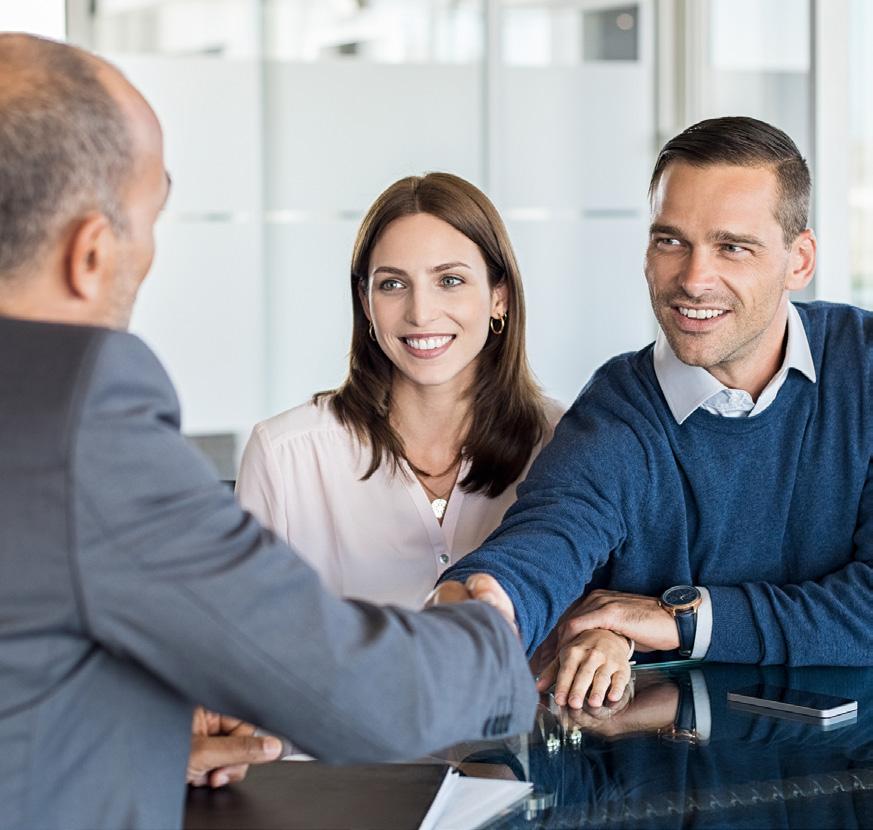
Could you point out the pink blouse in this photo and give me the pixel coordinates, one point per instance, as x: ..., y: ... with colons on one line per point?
x: 376, y: 539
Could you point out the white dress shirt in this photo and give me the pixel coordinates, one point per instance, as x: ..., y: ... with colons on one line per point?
x: 377, y: 539
x: 688, y: 388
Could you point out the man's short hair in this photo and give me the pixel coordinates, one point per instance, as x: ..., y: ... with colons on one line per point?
x: 64, y: 146
x: 746, y: 142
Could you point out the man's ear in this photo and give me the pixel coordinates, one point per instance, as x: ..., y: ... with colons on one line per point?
x: 365, y: 300
x: 499, y: 299
x: 91, y: 257
x: 801, y: 261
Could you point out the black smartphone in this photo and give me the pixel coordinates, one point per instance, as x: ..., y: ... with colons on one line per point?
x: 795, y: 701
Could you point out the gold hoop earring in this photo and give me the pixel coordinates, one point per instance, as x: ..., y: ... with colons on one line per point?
x: 371, y: 332
x: 501, y: 320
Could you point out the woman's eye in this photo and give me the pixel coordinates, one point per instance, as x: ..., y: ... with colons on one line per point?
x: 390, y: 285
x: 450, y: 281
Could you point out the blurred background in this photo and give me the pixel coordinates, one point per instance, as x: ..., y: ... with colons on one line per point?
x: 284, y: 119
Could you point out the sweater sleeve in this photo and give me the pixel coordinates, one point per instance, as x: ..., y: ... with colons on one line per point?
x: 573, y: 510
x: 816, y: 622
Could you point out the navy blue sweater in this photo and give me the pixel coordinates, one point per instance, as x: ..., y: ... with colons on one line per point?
x: 774, y: 513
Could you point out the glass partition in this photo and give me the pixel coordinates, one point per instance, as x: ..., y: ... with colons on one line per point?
x: 861, y: 153
x: 285, y: 118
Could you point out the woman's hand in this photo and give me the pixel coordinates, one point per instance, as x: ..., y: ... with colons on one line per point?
x: 595, y: 663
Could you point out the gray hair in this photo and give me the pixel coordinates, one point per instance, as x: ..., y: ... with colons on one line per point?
x: 64, y: 146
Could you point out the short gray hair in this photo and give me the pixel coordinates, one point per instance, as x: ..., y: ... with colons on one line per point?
x: 64, y: 146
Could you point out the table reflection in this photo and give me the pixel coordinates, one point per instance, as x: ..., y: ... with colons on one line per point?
x: 673, y: 753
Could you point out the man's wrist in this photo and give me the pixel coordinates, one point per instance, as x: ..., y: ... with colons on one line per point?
x: 682, y: 602
x: 631, y: 645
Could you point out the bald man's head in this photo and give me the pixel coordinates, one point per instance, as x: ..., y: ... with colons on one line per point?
x: 65, y: 147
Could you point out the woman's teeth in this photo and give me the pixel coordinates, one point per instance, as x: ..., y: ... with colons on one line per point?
x: 426, y: 344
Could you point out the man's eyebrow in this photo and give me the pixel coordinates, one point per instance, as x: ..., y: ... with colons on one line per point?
x: 446, y: 266
x: 728, y: 238
x: 718, y: 237
x: 667, y: 230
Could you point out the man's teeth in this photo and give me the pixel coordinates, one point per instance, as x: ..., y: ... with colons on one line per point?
x: 425, y: 344
x: 700, y: 313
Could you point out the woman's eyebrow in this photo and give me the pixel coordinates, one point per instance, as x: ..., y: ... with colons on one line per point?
x: 448, y: 265
x: 388, y: 269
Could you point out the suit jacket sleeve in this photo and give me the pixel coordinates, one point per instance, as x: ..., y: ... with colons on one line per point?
x: 174, y: 576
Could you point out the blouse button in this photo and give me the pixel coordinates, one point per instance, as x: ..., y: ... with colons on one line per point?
x: 444, y: 558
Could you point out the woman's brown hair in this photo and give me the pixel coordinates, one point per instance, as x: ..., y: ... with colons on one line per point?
x: 507, y: 412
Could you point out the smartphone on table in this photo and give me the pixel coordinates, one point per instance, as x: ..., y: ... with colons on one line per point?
x: 779, y: 699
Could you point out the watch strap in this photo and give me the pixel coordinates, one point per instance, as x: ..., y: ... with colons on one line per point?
x: 686, y: 622
x: 686, y: 720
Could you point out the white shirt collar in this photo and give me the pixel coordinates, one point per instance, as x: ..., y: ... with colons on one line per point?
x: 687, y: 387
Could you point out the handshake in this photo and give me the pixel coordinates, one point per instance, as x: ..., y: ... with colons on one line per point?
x: 482, y: 587
x: 586, y: 659
x: 589, y: 663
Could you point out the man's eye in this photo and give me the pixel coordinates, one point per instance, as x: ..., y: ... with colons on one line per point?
x: 390, y: 285
x: 450, y: 280
x: 733, y: 249
x: 667, y: 242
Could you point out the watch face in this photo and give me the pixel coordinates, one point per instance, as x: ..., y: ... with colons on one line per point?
x: 680, y: 595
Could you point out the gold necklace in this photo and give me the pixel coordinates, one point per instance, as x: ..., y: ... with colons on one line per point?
x: 438, y: 503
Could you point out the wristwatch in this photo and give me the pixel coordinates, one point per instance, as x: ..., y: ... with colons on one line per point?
x: 682, y: 601
x: 683, y: 730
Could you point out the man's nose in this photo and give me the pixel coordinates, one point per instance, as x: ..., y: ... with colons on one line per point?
x: 699, y: 273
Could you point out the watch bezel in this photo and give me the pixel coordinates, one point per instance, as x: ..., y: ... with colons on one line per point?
x: 681, y: 607
x: 677, y: 735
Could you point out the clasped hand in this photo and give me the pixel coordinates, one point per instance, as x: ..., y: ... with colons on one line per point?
x: 637, y: 617
x: 595, y: 663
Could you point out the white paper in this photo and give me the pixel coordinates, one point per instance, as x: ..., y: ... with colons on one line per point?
x: 473, y: 801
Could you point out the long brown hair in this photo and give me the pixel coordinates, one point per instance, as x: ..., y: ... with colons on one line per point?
x: 506, y: 403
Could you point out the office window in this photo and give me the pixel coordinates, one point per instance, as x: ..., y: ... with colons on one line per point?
x: 752, y: 57
x: 861, y: 152
x: 285, y: 118
x: 543, y: 34
x: 377, y: 31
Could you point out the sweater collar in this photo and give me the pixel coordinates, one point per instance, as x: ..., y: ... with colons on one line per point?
x: 687, y: 387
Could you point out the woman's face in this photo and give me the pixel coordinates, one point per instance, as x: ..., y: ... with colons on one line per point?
x: 429, y: 301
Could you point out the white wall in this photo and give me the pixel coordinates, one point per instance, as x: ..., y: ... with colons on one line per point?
x: 39, y: 17
x: 203, y: 306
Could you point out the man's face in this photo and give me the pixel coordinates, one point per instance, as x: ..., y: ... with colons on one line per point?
x: 718, y: 269
x: 142, y: 201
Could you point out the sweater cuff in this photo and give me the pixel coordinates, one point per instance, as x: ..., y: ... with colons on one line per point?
x: 735, y: 637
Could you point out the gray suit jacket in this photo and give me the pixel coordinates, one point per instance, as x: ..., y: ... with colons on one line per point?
x: 132, y: 586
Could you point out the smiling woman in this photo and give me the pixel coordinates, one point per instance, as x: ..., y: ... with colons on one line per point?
x: 408, y: 466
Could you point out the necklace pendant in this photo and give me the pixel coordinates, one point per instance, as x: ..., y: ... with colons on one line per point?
x: 439, y: 507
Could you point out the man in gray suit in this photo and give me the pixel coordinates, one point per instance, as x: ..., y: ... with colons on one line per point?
x: 131, y: 584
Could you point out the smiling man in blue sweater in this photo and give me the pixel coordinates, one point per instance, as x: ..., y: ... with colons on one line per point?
x: 712, y: 492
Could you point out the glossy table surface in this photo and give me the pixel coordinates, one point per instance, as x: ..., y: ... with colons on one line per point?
x: 675, y: 754
x: 678, y: 755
